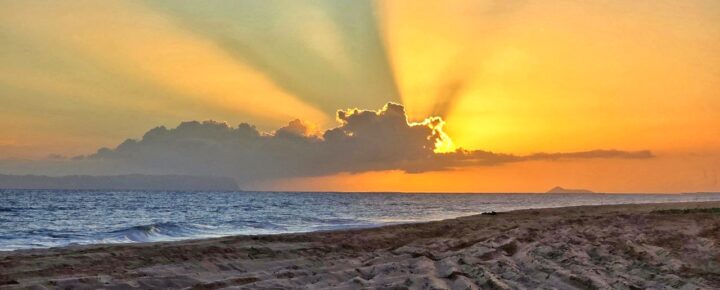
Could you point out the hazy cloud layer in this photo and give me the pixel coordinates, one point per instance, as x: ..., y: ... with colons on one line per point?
x: 486, y: 158
x: 365, y: 140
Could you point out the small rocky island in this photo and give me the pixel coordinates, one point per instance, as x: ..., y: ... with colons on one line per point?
x: 560, y: 190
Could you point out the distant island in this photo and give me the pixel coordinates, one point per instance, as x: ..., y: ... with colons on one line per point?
x: 560, y: 190
x: 119, y: 182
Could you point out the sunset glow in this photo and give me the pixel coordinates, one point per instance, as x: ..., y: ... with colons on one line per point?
x: 512, y: 78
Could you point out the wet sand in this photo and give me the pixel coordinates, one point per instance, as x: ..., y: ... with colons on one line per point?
x: 589, y: 247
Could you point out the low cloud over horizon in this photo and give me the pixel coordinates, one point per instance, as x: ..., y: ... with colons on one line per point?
x: 365, y: 140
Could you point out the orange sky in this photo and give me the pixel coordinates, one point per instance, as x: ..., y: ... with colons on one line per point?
x: 514, y: 77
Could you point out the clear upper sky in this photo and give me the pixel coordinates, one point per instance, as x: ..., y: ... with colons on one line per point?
x: 510, y: 77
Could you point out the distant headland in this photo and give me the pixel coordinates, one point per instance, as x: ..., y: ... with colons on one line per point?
x: 119, y: 182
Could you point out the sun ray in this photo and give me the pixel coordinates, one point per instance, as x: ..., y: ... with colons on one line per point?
x: 137, y: 41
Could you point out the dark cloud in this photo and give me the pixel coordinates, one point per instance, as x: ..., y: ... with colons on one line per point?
x: 592, y: 154
x: 485, y: 158
x: 365, y: 140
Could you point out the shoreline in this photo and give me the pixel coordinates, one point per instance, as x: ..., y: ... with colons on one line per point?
x: 375, y: 224
x: 475, y: 251
x: 324, y: 231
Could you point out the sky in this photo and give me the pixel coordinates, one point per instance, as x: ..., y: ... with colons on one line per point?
x: 427, y: 96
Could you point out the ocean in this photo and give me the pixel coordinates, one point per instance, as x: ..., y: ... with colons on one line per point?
x: 56, y: 218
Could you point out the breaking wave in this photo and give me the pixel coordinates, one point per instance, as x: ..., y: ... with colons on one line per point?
x: 160, y: 232
x: 43, y: 219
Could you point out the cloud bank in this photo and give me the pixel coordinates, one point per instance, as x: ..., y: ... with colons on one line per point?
x: 364, y: 140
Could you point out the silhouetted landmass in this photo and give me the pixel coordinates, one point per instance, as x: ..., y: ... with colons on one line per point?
x: 560, y: 190
x: 119, y: 182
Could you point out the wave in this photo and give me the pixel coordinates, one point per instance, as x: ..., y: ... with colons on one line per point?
x: 159, y: 232
x: 169, y: 231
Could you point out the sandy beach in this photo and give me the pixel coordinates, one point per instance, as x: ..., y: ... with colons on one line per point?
x: 653, y: 246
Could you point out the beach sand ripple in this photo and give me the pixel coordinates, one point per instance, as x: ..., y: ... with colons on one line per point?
x: 590, y: 247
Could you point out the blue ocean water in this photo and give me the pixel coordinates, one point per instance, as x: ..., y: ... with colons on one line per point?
x: 53, y: 218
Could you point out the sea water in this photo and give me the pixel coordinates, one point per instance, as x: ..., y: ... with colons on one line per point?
x: 55, y: 218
